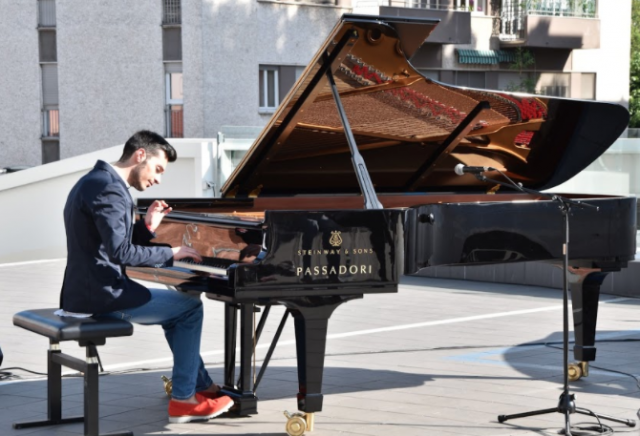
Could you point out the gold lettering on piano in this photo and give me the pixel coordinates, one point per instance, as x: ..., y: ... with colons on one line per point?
x: 326, y: 252
x: 328, y: 257
x: 339, y: 270
x: 336, y: 239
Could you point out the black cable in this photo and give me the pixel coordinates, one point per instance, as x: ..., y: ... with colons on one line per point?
x: 590, y: 429
x: 5, y: 374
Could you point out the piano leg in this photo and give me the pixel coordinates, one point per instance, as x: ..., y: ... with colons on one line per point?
x: 230, y: 332
x: 585, y: 294
x: 246, y: 402
x: 311, y: 319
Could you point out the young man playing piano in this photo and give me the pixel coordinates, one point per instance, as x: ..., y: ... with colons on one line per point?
x: 102, y: 240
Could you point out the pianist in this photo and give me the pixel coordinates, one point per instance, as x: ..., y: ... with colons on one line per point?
x: 102, y: 240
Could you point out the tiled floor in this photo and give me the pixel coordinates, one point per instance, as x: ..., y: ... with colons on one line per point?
x: 440, y: 357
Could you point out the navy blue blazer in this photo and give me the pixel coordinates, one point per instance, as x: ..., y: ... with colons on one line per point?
x: 101, y: 241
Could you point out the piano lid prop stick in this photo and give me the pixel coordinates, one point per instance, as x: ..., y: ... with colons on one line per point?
x: 364, y: 179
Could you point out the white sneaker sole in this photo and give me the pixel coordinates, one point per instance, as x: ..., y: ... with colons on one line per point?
x: 184, y: 419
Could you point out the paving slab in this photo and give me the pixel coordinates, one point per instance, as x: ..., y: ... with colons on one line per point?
x: 441, y: 356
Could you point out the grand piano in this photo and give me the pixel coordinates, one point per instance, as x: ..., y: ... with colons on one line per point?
x: 352, y: 184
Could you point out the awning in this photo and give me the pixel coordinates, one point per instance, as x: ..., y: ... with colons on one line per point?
x: 484, y: 57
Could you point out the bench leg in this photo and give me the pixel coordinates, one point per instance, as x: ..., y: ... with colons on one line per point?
x: 90, y: 367
x: 92, y: 396
x: 54, y: 394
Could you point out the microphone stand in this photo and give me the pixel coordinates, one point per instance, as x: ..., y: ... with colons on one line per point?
x: 566, y: 404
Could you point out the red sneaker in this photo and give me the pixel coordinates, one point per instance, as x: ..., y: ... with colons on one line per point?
x: 180, y: 412
x: 212, y: 395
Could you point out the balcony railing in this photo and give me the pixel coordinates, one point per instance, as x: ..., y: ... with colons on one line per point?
x: 50, y: 123
x: 171, y: 12
x: 174, y: 121
x: 452, y: 5
x: 513, y: 13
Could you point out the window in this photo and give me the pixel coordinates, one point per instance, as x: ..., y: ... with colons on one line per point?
x: 554, y: 84
x: 47, y: 42
x: 174, y: 110
x: 171, y: 12
x: 460, y: 5
x: 50, y: 151
x: 50, y: 113
x: 269, y: 88
x: 516, y: 82
x: 469, y: 79
x: 46, y: 13
x: 172, y: 44
x: 49, y: 80
x: 588, y: 86
x: 50, y: 122
x: 275, y: 81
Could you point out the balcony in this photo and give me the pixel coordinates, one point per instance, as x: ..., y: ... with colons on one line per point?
x: 568, y: 24
x: 454, y: 15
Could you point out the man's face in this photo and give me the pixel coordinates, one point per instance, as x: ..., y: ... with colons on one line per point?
x: 148, y: 171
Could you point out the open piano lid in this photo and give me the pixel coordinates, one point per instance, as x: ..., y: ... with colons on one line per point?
x: 410, y: 130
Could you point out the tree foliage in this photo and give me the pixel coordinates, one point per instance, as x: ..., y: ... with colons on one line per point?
x: 634, y: 72
x: 524, y: 60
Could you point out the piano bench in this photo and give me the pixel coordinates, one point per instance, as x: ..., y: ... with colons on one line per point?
x: 89, y: 333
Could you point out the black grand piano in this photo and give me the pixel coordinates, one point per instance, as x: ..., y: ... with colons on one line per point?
x: 352, y: 184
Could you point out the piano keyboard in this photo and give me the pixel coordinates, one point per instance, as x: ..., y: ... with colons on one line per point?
x: 211, y: 265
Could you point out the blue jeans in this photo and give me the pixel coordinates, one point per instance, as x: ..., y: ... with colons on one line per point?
x: 180, y: 315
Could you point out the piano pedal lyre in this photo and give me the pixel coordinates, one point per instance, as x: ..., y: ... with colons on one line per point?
x: 298, y: 423
x: 577, y: 370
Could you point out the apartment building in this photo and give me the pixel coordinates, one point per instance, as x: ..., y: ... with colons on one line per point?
x: 83, y: 75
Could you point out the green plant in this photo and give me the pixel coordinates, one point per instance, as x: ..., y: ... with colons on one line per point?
x: 634, y: 91
x: 523, y: 60
x: 634, y: 70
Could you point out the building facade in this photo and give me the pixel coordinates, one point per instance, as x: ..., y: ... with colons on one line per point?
x: 81, y: 76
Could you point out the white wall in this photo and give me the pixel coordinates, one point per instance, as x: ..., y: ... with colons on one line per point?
x: 31, y: 222
x: 611, y: 61
x: 238, y: 36
x: 110, y: 72
x: 19, y: 84
x: 192, y: 67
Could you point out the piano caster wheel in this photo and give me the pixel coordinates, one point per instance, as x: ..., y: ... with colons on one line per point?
x: 168, y: 385
x: 578, y: 370
x: 575, y: 371
x: 298, y: 423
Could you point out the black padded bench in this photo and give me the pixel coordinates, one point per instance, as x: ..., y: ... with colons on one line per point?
x: 89, y: 333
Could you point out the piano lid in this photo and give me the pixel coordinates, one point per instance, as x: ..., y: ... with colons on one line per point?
x: 410, y: 130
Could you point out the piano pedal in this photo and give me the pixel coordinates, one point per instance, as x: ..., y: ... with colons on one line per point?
x: 298, y: 423
x: 168, y: 385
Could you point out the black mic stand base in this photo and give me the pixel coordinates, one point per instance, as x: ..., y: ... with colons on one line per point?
x: 566, y: 406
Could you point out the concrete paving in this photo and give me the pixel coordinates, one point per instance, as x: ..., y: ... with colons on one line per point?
x: 439, y: 357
